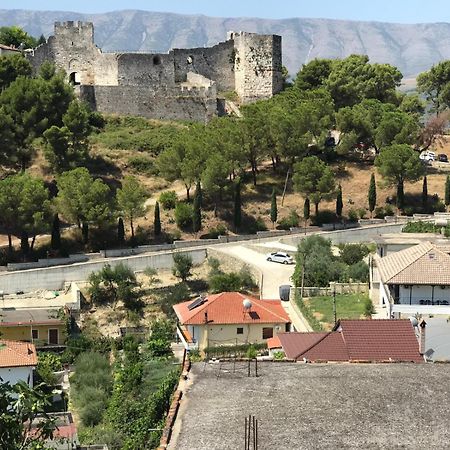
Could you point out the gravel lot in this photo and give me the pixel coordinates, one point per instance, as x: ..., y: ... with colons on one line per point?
x: 301, y: 406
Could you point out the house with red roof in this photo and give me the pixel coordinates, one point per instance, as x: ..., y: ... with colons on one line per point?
x: 17, y: 362
x: 373, y: 341
x: 229, y: 318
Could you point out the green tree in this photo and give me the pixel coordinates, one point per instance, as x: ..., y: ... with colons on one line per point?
x: 237, y: 216
x: 131, y: 200
x: 183, y: 215
x: 397, y: 164
x: 112, y: 284
x: 214, y: 178
x: 182, y: 265
x: 11, y: 67
x: 20, y: 405
x: 396, y: 127
x: 314, y: 74
x: 273, y: 208
x: 120, y: 231
x: 56, y: 234
x: 435, y: 85
x: 16, y: 37
x: 157, y: 221
x: 83, y: 199
x: 314, y: 179
x: 339, y: 203
x: 372, y: 195
x: 68, y: 146
x: 425, y: 194
x: 197, y: 214
x: 447, y: 191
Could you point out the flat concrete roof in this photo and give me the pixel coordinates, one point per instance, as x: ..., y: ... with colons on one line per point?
x: 409, y: 238
x: 309, y: 406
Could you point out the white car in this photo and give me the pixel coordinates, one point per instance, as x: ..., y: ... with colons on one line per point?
x: 280, y: 257
x: 427, y: 156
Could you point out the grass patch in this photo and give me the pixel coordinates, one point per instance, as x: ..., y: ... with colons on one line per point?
x: 348, y: 306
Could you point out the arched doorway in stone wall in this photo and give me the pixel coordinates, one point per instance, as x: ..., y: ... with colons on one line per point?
x: 74, y: 78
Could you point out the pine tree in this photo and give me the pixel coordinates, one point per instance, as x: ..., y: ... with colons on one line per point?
x: 372, y: 196
x: 425, y: 194
x: 306, y: 209
x: 339, y: 204
x: 273, y: 208
x: 237, y: 206
x: 197, y: 217
x: 120, y: 231
x: 447, y: 191
x: 157, y: 222
x: 56, y: 234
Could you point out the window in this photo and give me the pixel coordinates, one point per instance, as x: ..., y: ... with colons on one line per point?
x: 267, y: 333
x: 35, y: 334
x: 156, y: 60
x: 240, y: 331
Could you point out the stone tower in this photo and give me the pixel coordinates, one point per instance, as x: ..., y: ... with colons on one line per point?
x: 257, y: 65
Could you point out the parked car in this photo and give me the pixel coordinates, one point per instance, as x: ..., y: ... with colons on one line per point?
x: 442, y: 157
x: 427, y: 156
x: 280, y: 257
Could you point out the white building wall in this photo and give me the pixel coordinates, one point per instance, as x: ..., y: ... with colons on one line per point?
x: 417, y: 293
x: 15, y: 374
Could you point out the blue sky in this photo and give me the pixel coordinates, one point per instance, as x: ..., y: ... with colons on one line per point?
x: 403, y: 11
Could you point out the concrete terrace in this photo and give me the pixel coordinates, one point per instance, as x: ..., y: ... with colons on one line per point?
x: 309, y: 406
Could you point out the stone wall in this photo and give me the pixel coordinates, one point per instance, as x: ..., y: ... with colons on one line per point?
x: 154, y: 103
x: 215, y: 63
x: 257, y: 65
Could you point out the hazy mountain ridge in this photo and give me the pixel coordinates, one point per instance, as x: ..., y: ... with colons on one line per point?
x: 412, y: 48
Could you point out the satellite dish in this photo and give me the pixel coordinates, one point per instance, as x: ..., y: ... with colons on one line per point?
x: 414, y: 321
x: 247, y: 303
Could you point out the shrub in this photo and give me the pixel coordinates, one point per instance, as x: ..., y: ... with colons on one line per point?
x: 421, y: 227
x: 352, y: 215
x: 168, y: 199
x: 215, y: 232
x: 225, y: 282
x: 389, y: 210
x: 324, y: 217
x: 171, y: 296
x: 379, y: 212
x: 251, y: 352
x: 142, y: 165
x: 362, y: 213
x: 291, y: 221
x: 353, y: 253
x: 182, y: 266
x: 183, y: 215
x: 369, y: 309
x: 359, y: 272
x: 278, y: 356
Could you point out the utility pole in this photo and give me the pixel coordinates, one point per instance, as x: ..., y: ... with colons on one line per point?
x: 334, y: 305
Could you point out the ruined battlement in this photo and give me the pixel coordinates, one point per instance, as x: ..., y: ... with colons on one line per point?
x: 248, y: 63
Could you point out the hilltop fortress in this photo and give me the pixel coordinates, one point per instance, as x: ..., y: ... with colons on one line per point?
x: 186, y: 84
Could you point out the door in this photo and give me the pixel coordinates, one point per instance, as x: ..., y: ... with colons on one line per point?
x: 53, y: 336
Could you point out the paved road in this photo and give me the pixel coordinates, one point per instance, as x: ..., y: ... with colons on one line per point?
x: 274, y: 274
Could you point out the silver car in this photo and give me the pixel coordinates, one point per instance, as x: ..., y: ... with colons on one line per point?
x: 280, y: 257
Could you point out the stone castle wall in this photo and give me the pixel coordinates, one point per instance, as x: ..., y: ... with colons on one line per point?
x: 182, y: 84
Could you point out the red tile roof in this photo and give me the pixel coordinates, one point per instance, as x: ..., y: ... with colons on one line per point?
x: 356, y: 340
x: 227, y: 307
x: 17, y: 354
x: 273, y: 342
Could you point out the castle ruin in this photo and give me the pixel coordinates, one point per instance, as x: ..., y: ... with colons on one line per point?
x: 183, y: 84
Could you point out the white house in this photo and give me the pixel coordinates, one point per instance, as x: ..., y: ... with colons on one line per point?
x: 413, y: 281
x: 17, y: 362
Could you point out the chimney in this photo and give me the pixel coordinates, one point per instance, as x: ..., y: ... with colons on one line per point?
x: 422, y: 325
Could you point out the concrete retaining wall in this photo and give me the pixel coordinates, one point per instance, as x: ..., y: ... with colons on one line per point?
x: 55, y: 277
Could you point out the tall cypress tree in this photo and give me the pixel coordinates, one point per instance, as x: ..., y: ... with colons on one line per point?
x: 197, y: 217
x: 56, y: 234
x: 339, y: 204
x: 237, y: 206
x: 157, y: 222
x: 120, y: 231
x: 306, y: 209
x: 425, y: 194
x: 85, y: 232
x: 273, y: 208
x: 372, y: 196
x: 447, y: 191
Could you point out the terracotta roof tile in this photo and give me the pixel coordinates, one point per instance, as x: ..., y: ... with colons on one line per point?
x: 273, y: 342
x: 422, y: 264
x: 17, y: 354
x: 227, y: 307
x: 356, y: 340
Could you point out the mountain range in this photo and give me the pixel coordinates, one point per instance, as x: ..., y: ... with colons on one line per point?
x: 413, y: 48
